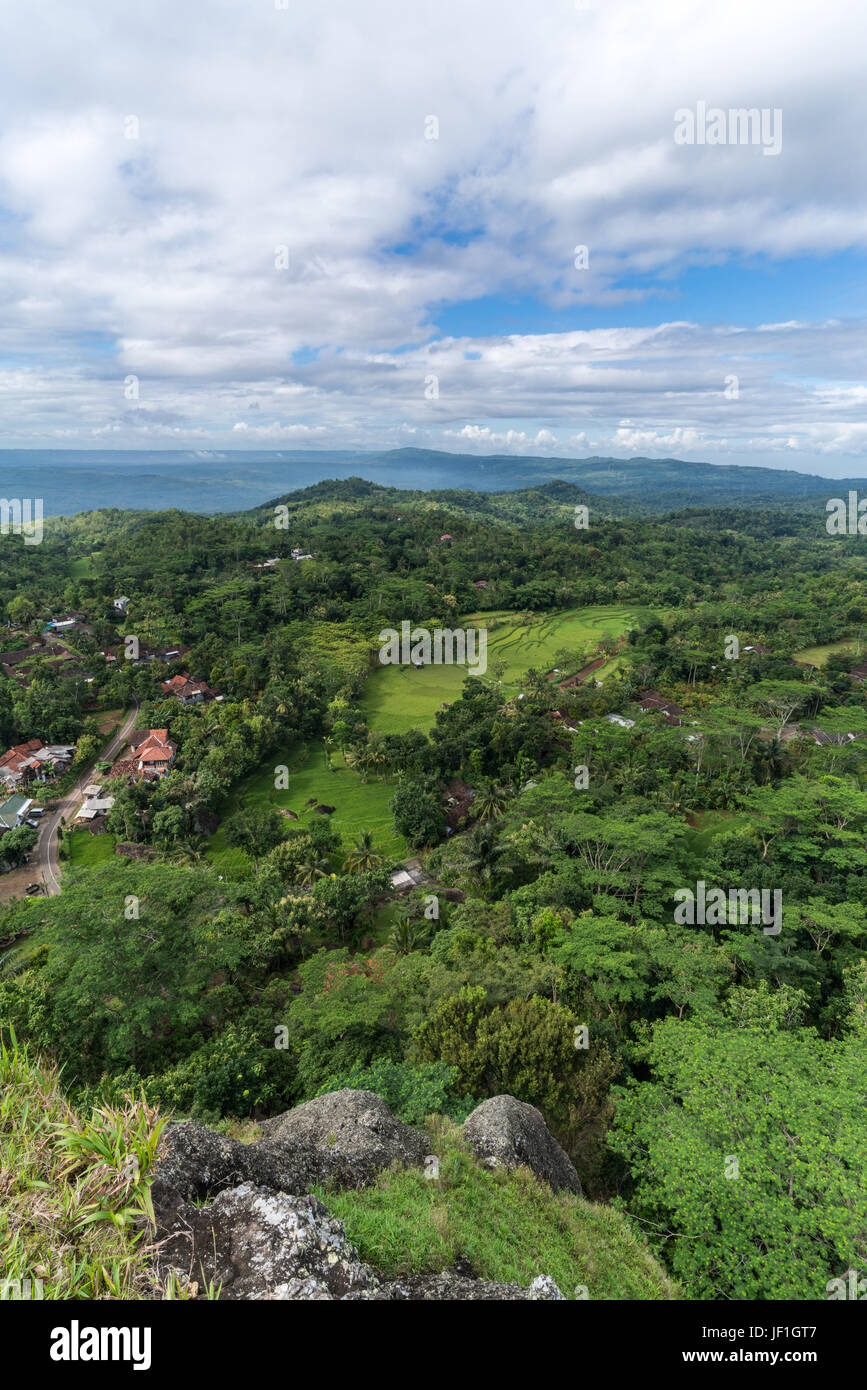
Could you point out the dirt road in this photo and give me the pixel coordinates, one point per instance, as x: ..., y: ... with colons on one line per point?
x: 47, y: 866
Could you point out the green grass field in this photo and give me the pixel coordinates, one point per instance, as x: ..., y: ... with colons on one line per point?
x: 85, y: 849
x: 817, y: 656
x: 399, y: 698
x: 359, y: 805
x: 509, y: 1226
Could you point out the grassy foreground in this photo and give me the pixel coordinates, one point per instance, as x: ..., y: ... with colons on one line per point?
x: 508, y: 1225
x: 74, y: 1191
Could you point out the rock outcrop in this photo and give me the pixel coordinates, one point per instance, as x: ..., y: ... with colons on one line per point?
x: 251, y: 1243
x: 261, y: 1234
x: 342, y: 1139
x: 354, y: 1127
x: 257, y: 1244
x: 504, y: 1132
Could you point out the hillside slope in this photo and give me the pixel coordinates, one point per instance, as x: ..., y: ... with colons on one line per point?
x: 80, y: 1191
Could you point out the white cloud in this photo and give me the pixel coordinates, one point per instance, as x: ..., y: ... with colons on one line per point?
x: 305, y: 128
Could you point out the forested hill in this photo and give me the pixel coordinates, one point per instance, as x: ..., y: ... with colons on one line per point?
x: 554, y: 502
x: 639, y: 484
x: 547, y: 502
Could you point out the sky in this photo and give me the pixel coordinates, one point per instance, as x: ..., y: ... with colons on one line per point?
x: 487, y: 227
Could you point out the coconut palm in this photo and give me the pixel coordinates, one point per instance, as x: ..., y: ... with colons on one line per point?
x: 483, y: 857
x: 490, y: 802
x: 190, y: 849
x: 362, y: 856
x: 407, y: 933
x: 310, y: 869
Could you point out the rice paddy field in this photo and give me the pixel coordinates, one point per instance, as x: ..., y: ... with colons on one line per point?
x: 358, y: 805
x: 817, y: 656
x: 399, y: 698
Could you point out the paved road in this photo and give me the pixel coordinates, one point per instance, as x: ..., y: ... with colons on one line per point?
x: 47, y: 863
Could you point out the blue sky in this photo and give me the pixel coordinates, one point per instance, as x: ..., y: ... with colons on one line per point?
x: 359, y: 227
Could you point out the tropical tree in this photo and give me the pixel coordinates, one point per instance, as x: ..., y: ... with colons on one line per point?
x: 490, y: 802
x: 362, y: 856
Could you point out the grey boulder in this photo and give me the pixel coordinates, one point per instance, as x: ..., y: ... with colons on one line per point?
x: 355, y: 1128
x: 509, y: 1133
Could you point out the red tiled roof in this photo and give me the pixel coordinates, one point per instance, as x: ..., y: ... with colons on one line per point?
x: 157, y: 748
x: 19, y: 754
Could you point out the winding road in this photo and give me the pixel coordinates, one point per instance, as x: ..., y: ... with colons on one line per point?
x: 47, y: 859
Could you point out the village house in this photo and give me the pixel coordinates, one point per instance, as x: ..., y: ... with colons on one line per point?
x: 95, y: 803
x: 652, y: 700
x: 19, y: 665
x: 121, y: 604
x: 298, y: 554
x: 154, y: 752
x: 34, y: 760
x: 188, y: 691
x: 14, y: 811
x: 822, y: 738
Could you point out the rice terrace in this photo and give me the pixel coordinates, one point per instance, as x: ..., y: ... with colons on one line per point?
x: 399, y: 698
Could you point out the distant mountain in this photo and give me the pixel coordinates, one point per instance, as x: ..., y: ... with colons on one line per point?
x: 640, y: 484
x: 548, y: 502
x: 545, y: 488
x: 71, y: 481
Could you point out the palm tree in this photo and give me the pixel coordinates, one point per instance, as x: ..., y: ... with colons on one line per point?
x: 362, y: 856
x: 311, y: 869
x: 377, y: 758
x: 351, y: 757
x: 483, y: 858
x: 190, y: 850
x: 490, y: 802
x: 407, y: 934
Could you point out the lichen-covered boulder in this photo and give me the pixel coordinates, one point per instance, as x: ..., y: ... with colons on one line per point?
x: 353, y: 1127
x: 505, y: 1132
x: 201, y: 1164
x: 256, y: 1244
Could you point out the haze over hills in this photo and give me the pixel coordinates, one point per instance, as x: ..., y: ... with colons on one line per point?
x: 642, y: 484
x: 70, y: 481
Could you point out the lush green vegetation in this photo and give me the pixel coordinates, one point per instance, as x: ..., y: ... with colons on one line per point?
x: 75, y: 1188
x: 314, y: 773
x: 398, y: 699
x: 84, y: 850
x: 506, y: 1225
x: 706, y: 1078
